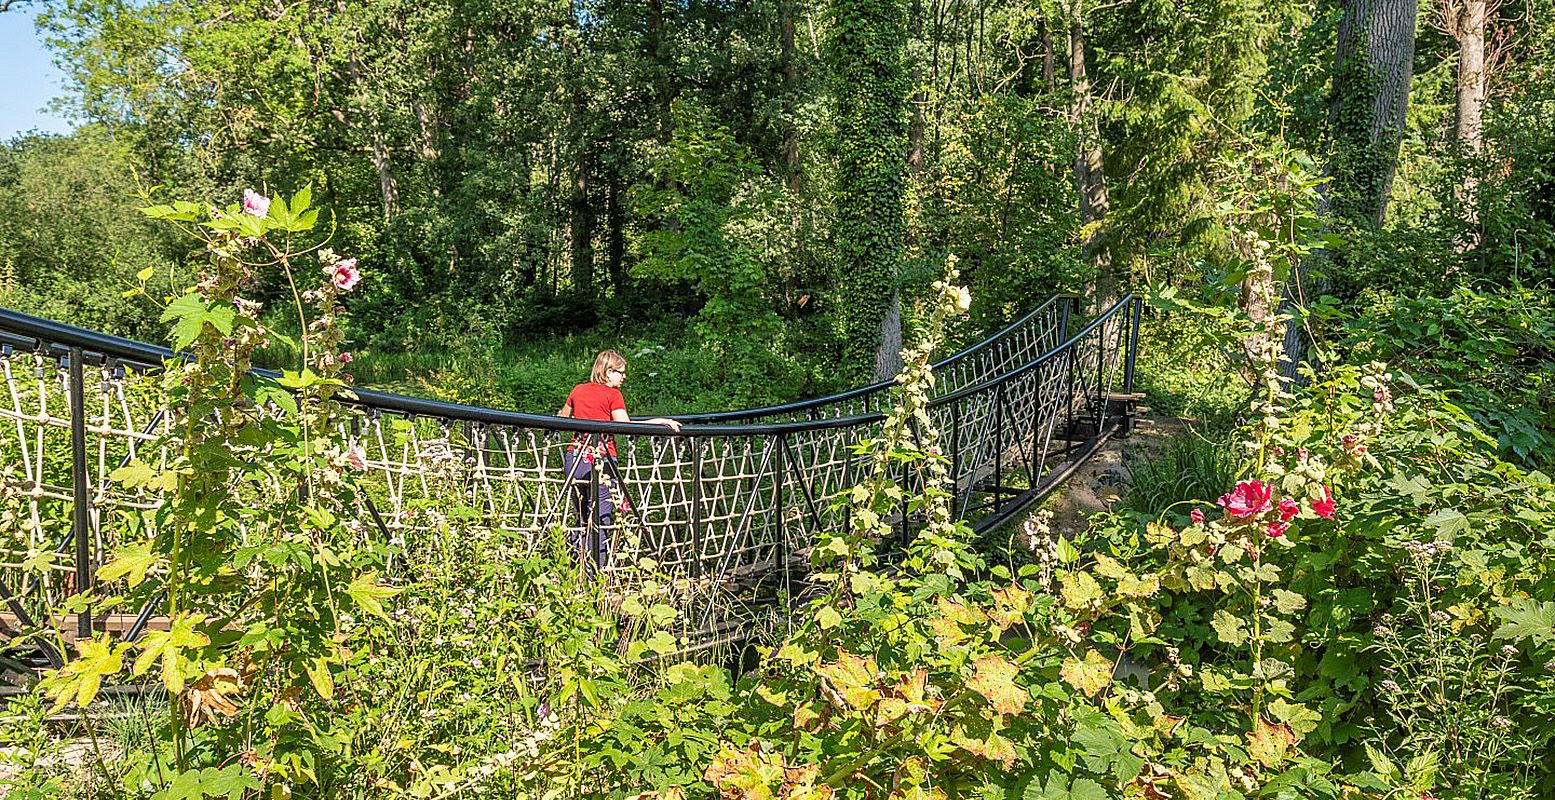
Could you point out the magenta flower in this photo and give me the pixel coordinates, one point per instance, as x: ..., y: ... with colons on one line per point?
x: 345, y: 274
x: 1288, y: 509
x: 255, y: 203
x: 1325, y: 507
x: 1276, y: 529
x: 345, y: 357
x: 1197, y: 515
x: 1247, y: 500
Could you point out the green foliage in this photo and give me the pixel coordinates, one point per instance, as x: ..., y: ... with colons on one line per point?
x: 1494, y: 354
x: 71, y: 241
x: 711, y: 191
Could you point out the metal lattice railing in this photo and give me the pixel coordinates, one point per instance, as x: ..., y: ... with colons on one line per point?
x: 731, y: 499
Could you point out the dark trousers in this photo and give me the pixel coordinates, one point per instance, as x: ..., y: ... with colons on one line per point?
x: 593, y: 502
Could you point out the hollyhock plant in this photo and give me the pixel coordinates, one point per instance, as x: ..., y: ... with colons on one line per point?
x: 1248, y: 499
x: 1288, y: 509
x: 1276, y: 529
x: 344, y: 274
x: 1197, y: 515
x: 255, y: 203
x: 1326, y: 506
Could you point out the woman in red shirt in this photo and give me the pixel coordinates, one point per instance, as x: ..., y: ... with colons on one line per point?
x: 598, y: 399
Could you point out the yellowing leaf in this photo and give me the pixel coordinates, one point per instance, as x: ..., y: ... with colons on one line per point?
x: 1010, y: 605
x: 995, y: 679
x: 954, y: 618
x: 1134, y: 586
x: 1079, y: 591
x: 168, y: 646
x: 1108, y: 567
x: 853, y: 678
x: 321, y: 678
x: 1231, y: 629
x: 1270, y: 744
x: 1090, y: 674
x: 79, y: 680
x: 746, y: 774
x: 991, y: 746
x: 133, y: 560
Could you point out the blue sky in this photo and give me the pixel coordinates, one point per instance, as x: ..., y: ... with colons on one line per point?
x: 28, y: 78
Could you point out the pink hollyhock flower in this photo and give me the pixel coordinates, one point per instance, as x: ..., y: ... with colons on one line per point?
x: 1276, y: 529
x: 345, y: 275
x: 1288, y: 509
x: 1325, y: 507
x: 345, y: 357
x: 255, y: 203
x: 1197, y: 515
x: 357, y: 457
x: 1247, y: 500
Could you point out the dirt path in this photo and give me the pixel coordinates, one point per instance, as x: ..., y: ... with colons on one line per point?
x: 1100, y: 483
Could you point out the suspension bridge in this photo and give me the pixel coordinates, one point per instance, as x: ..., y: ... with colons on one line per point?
x: 730, y: 504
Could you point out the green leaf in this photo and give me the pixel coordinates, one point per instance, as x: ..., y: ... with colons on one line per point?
x: 368, y: 595
x: 1382, y: 765
x: 1448, y: 522
x: 1527, y: 619
x: 302, y: 199
x: 662, y: 642
x: 1231, y: 630
x: 133, y: 560
x: 828, y: 618
x: 1058, y: 787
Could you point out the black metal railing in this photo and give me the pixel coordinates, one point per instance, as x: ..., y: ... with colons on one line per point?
x: 731, y: 499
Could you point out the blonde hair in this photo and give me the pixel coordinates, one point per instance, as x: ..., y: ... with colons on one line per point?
x: 604, y: 362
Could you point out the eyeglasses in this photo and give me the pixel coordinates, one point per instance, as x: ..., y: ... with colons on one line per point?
x: 620, y: 372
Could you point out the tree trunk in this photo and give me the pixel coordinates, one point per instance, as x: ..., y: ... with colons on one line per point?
x: 1090, y: 176
x: 1473, y: 81
x: 581, y: 225
x: 790, y: 97
x: 1473, y: 85
x: 1373, y: 68
x: 377, y: 145
x: 615, y: 223
x: 1049, y: 80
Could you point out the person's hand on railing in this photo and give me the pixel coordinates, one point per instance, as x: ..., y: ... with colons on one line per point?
x: 666, y: 422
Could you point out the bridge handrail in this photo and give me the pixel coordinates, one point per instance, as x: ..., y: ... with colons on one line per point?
x: 861, y: 391
x: 61, y: 337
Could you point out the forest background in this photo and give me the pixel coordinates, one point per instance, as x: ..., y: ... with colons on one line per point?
x: 742, y: 192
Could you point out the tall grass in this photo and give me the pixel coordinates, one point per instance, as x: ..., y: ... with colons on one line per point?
x: 1187, y: 467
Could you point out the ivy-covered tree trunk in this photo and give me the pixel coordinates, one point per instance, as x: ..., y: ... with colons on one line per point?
x: 1090, y: 175
x: 869, y: 83
x: 1373, y: 68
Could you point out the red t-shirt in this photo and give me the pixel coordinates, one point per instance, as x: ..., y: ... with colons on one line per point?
x: 596, y: 401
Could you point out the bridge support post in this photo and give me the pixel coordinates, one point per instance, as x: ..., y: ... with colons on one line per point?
x: 1128, y: 364
x: 80, y: 491
x: 779, y: 477
x: 696, y: 508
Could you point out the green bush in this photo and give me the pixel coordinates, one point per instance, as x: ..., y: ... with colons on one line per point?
x: 1492, y: 353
